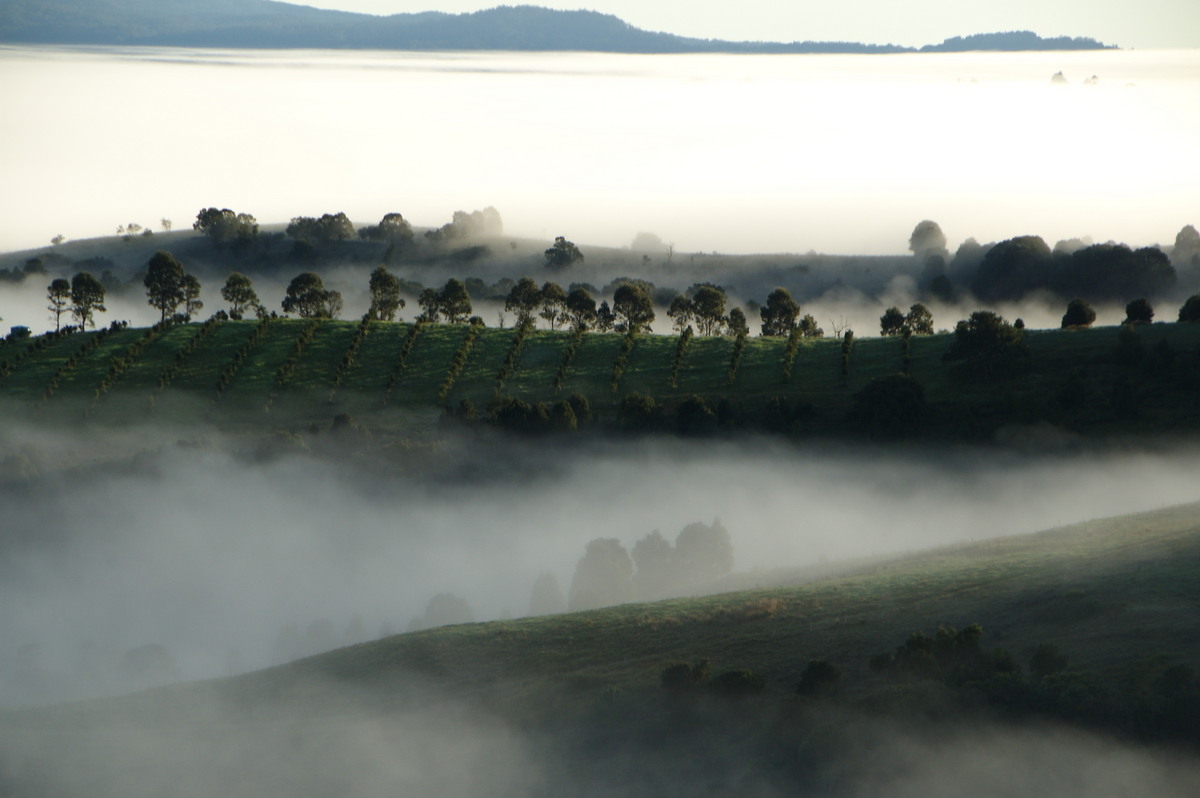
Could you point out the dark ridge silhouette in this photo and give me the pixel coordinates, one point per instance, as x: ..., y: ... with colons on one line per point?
x: 267, y: 24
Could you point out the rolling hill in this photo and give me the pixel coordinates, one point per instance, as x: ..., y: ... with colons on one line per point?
x: 396, y: 378
x: 530, y: 706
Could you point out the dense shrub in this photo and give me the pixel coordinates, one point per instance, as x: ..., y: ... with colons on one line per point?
x: 682, y: 677
x: 738, y: 683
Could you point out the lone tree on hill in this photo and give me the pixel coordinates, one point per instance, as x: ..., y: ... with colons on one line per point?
x: 919, y: 320
x: 1190, y: 311
x: 562, y: 254
x: 634, y: 307
x: 87, y: 299
x: 454, y: 301
x: 553, y: 304
x: 779, y: 314
x: 703, y: 553
x: 59, y: 295
x: 1138, y: 311
x: 164, y: 283
x: 385, y: 295
x: 239, y: 293
x: 523, y: 300
x: 547, y: 597
x: 736, y: 323
x: 581, y: 308
x: 603, y: 577
x: 892, y: 321
x: 682, y: 312
x: 192, y: 304
x: 1079, y: 314
x: 708, y: 303
x: 308, y: 298
x: 987, y: 341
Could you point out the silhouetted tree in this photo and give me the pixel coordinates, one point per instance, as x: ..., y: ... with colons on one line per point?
x: 553, y: 302
x: 192, y: 304
x: 892, y: 321
x: 308, y: 298
x: 562, y: 254
x: 708, y: 306
x: 653, y: 577
x: 1012, y: 268
x: 444, y: 609
x: 606, y: 320
x: 87, y: 299
x: 703, y: 553
x: 819, y: 675
x: 164, y: 283
x: 919, y: 320
x: 224, y: 227
x: 454, y: 302
x: 1190, y: 311
x: 779, y: 314
x: 523, y: 300
x: 603, y: 577
x: 547, y: 597
x: 59, y: 295
x: 331, y: 227
x: 1079, y: 314
x: 634, y: 307
x: 239, y: 292
x: 987, y: 341
x: 1138, y: 311
x: 385, y: 294
x: 581, y: 308
x: 682, y: 312
x: 736, y: 323
x: 928, y: 239
x: 392, y: 228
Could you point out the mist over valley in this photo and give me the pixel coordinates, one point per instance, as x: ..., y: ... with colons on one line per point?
x: 756, y: 425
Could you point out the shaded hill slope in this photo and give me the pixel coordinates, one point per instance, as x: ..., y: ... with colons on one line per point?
x: 533, y: 704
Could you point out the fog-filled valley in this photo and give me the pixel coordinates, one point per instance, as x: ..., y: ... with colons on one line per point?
x: 194, y: 559
x: 213, y: 556
x: 277, y: 549
x: 838, y: 154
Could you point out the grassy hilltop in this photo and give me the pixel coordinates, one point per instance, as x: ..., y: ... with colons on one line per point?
x: 290, y: 373
x: 579, y: 695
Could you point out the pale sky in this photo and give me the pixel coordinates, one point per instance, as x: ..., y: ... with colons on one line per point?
x: 1143, y: 24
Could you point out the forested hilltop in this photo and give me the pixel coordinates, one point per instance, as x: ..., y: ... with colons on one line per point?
x: 462, y: 328
x: 263, y: 23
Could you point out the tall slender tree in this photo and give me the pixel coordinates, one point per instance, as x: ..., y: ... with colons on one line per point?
x: 59, y: 295
x: 87, y: 299
x: 164, y: 283
x: 385, y: 295
x: 239, y: 292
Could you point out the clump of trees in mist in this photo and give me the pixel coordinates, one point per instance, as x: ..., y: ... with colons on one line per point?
x: 609, y: 574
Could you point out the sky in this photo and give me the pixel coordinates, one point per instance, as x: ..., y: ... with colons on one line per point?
x: 1146, y: 24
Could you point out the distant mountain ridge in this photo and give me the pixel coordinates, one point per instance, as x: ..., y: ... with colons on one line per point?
x: 269, y: 24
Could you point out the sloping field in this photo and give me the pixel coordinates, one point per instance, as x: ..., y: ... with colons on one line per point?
x: 285, y: 373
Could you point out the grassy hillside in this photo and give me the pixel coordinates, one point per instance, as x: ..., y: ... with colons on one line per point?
x: 291, y: 373
x: 1117, y: 597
